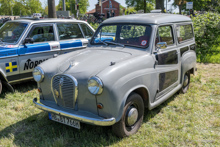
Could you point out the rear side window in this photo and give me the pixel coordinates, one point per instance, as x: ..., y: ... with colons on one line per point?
x: 184, y: 32
x: 42, y: 33
x: 165, y: 34
x: 87, y: 31
x: 69, y: 31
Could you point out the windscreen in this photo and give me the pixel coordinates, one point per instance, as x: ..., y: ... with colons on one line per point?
x: 11, y: 32
x: 126, y: 34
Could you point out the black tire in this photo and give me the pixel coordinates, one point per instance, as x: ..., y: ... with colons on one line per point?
x: 0, y: 86
x: 123, y: 128
x: 186, y: 82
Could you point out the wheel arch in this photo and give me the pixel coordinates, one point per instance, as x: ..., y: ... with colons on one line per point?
x: 4, y: 80
x: 142, y: 90
x: 3, y: 76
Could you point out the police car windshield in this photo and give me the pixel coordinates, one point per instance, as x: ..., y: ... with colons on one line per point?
x: 124, y: 34
x: 12, y: 31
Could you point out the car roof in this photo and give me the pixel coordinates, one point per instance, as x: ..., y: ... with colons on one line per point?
x: 48, y: 20
x: 148, y: 18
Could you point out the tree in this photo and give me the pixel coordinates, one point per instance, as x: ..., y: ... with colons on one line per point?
x: 70, y: 6
x: 34, y: 6
x: 180, y: 4
x: 19, y: 8
x: 23, y: 7
x: 6, y: 7
x: 206, y: 5
x: 51, y: 9
x: 146, y: 5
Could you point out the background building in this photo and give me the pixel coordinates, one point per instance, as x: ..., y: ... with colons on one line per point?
x: 114, y: 8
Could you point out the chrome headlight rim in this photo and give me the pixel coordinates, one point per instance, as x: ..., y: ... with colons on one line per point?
x: 41, y: 74
x: 99, y: 82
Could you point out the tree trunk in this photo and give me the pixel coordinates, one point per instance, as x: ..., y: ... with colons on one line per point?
x: 145, y: 6
x: 51, y: 9
x: 180, y: 9
x: 160, y: 5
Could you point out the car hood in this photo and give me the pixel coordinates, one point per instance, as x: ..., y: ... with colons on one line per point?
x: 91, y: 62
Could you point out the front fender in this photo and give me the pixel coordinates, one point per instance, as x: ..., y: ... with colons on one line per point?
x: 121, y: 81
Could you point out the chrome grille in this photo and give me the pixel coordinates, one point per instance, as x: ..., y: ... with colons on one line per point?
x: 64, y: 88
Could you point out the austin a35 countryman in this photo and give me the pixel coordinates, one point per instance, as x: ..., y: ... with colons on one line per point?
x: 133, y: 62
x: 25, y: 43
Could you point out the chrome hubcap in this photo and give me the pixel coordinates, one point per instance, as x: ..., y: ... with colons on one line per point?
x: 132, y: 116
x: 186, y: 80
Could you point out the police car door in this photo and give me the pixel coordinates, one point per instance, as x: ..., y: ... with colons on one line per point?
x: 71, y: 37
x: 43, y: 47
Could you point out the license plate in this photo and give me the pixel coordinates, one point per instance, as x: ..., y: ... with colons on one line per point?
x: 64, y: 120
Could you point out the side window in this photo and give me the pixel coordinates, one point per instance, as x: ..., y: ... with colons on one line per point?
x: 184, y: 32
x: 165, y: 34
x: 69, y: 31
x: 87, y: 31
x: 42, y: 33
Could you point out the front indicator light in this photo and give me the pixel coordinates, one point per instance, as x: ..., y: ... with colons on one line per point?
x: 99, y: 106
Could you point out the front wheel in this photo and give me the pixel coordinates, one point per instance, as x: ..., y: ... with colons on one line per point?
x: 132, y: 117
x: 0, y: 86
x: 186, y: 82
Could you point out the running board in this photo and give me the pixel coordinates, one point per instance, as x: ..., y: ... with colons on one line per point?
x: 164, y: 98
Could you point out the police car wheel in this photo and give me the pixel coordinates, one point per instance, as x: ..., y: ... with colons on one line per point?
x: 0, y: 86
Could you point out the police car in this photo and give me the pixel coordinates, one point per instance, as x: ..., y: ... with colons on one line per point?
x: 25, y: 43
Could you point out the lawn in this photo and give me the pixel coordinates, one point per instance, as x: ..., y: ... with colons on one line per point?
x: 191, y: 119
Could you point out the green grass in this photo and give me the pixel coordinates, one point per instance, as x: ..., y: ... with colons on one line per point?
x: 191, y: 119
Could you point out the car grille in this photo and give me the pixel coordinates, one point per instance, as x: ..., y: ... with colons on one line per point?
x: 64, y: 88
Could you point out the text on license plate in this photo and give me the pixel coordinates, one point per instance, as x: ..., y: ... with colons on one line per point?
x: 64, y: 120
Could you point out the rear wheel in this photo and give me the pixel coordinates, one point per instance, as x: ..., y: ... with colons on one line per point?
x: 186, y: 82
x: 132, y: 117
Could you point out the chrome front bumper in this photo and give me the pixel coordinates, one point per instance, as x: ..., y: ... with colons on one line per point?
x: 99, y: 121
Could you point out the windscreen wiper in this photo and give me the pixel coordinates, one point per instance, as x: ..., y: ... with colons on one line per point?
x: 103, y: 42
x: 115, y: 43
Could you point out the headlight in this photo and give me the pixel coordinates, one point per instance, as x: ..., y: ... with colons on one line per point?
x: 38, y: 74
x: 95, y: 85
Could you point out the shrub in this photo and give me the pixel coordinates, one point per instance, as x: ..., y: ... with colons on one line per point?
x: 207, y: 35
x: 94, y: 25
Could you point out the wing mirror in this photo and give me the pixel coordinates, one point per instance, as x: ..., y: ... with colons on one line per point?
x: 28, y: 40
x: 160, y: 45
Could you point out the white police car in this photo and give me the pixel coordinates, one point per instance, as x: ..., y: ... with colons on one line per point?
x: 25, y: 43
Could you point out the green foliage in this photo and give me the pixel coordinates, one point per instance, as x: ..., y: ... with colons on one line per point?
x: 207, y: 30
x: 23, y: 7
x: 94, y: 25
x: 130, y: 10
x: 70, y: 6
x: 139, y: 4
x: 206, y: 5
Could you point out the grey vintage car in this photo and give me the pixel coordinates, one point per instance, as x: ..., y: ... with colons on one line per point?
x: 27, y: 42
x: 133, y: 62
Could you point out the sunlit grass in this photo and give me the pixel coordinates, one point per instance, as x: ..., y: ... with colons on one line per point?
x: 191, y: 119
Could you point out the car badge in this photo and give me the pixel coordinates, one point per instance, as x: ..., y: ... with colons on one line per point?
x: 56, y: 93
x: 61, y: 82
